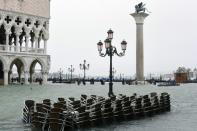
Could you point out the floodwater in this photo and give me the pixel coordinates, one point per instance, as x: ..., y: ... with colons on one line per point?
x: 183, y: 116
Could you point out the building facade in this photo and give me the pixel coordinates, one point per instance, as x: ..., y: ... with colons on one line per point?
x: 24, y: 32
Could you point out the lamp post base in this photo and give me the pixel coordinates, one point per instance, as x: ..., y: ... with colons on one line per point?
x: 110, y: 94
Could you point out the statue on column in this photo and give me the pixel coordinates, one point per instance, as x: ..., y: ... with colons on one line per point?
x: 140, y: 8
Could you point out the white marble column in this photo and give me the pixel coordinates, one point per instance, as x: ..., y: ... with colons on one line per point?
x: 44, y: 77
x: 7, y: 41
x: 7, y: 33
x: 26, y: 73
x: 27, y: 38
x: 45, y: 46
x: 18, y: 31
x: 5, y: 77
x: 36, y: 40
x: 139, y: 19
x: 26, y: 43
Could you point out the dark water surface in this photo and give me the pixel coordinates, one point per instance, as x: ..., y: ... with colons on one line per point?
x: 183, y: 116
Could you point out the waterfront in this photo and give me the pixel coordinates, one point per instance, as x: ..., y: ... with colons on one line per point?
x: 182, y: 117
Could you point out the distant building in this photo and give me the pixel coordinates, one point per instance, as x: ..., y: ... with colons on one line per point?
x: 180, y: 77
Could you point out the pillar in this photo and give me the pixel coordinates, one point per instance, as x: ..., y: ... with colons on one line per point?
x: 7, y: 33
x: 44, y: 77
x: 26, y: 73
x: 26, y: 43
x: 36, y: 40
x: 139, y: 19
x: 45, y: 46
x: 5, y: 77
x: 17, y: 33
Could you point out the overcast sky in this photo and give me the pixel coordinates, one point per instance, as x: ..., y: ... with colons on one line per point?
x: 76, y: 26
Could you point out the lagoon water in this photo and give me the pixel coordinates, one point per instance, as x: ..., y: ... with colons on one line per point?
x: 183, y: 116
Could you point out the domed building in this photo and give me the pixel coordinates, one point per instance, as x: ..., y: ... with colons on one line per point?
x: 24, y: 32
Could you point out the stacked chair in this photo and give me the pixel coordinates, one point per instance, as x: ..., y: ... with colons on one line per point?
x: 93, y: 110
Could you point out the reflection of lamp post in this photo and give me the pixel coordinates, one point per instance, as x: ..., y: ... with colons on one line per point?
x: 84, y: 67
x: 60, y: 75
x: 110, y: 51
x: 71, y: 70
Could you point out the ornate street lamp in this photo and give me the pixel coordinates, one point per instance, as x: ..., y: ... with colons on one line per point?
x: 84, y: 67
x: 71, y: 70
x: 113, y: 72
x: 110, y: 51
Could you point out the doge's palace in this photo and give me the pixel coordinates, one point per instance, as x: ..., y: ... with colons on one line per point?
x: 24, y: 32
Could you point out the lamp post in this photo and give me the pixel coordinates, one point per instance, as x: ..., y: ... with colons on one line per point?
x: 110, y: 51
x: 71, y: 70
x: 84, y: 67
x: 113, y: 72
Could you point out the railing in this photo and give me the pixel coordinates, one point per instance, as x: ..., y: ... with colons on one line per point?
x: 21, y: 49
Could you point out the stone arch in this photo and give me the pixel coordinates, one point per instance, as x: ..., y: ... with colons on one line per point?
x: 40, y: 61
x: 32, y: 67
x: 21, y: 67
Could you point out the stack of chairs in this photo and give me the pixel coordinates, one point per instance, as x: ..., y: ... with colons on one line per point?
x: 117, y: 109
x: 107, y: 111
x: 39, y: 116
x: 28, y: 110
x: 92, y: 110
x: 138, y: 108
x: 95, y: 113
x: 165, y: 102
x: 80, y: 116
x: 155, y: 103
x: 126, y: 107
x: 147, y: 105
x: 56, y: 120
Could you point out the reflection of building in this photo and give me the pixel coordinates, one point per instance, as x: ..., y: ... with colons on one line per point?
x: 24, y: 26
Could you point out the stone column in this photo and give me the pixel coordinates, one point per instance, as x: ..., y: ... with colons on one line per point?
x: 26, y: 73
x: 7, y: 32
x: 26, y: 43
x: 17, y: 32
x: 5, y: 77
x: 7, y: 41
x: 46, y: 37
x: 45, y: 46
x: 139, y: 19
x: 36, y: 40
x: 44, y: 77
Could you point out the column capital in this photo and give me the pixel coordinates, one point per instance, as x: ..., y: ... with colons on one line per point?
x: 45, y: 72
x: 36, y: 32
x: 46, y: 35
x: 7, y: 30
x: 27, y: 32
x: 26, y: 71
x: 5, y: 70
x: 139, y: 17
x: 18, y: 31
